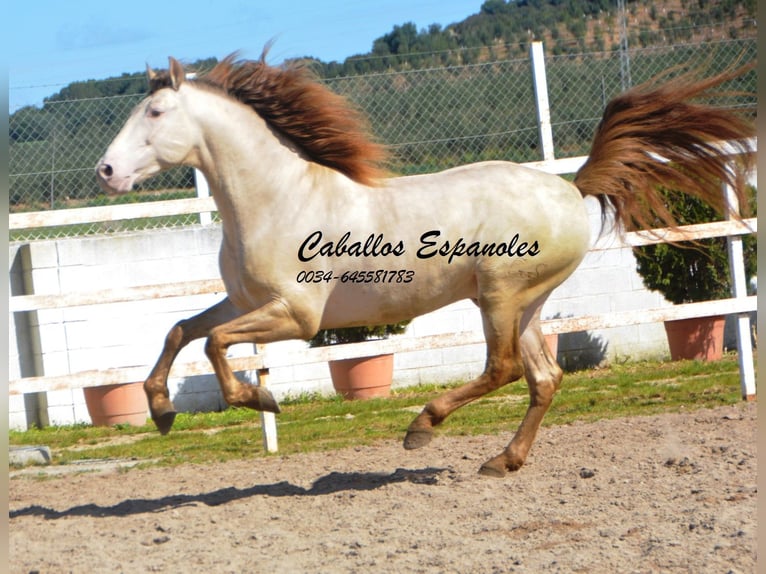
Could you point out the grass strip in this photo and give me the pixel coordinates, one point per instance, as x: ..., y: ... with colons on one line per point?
x: 322, y: 423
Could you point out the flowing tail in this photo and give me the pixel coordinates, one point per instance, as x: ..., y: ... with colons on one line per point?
x: 652, y: 138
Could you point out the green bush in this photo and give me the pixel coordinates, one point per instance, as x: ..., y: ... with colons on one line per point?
x: 327, y: 337
x: 692, y: 271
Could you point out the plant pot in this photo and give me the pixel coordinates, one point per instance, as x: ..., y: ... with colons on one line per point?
x: 117, y: 404
x: 552, y: 341
x: 698, y: 338
x: 363, y: 377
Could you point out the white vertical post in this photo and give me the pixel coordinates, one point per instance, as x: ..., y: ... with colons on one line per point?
x: 203, y: 190
x: 739, y: 289
x: 268, y: 423
x: 541, y: 100
x: 268, y: 420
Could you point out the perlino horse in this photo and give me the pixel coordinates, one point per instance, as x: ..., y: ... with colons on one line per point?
x: 300, y: 193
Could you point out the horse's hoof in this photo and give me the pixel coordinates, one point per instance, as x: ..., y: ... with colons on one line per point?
x: 417, y: 439
x: 266, y: 401
x: 256, y: 398
x: 164, y: 422
x: 492, y: 470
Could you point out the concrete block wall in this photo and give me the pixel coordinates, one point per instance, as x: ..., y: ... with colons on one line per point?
x: 55, y: 342
x: 126, y: 334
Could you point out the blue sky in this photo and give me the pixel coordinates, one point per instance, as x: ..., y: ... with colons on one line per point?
x: 54, y: 42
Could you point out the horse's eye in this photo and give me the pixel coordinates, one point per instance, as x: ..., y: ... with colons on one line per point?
x: 154, y: 113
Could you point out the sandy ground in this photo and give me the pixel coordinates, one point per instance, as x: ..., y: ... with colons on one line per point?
x: 669, y: 493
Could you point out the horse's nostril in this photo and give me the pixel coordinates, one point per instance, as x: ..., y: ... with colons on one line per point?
x: 106, y: 170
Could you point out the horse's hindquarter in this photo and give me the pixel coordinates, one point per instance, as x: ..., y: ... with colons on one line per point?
x: 488, y: 224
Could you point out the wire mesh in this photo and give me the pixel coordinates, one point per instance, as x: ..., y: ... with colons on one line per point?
x: 431, y: 118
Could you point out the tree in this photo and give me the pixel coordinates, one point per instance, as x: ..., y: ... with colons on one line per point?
x: 493, y: 7
x: 28, y: 124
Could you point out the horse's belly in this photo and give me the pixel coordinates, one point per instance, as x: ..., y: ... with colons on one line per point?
x: 374, y: 304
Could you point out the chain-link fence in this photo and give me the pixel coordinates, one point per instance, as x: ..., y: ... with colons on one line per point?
x: 432, y: 119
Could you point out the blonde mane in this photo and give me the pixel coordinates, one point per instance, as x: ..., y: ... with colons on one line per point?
x: 323, y: 125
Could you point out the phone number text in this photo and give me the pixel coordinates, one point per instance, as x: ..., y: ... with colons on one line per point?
x: 375, y: 276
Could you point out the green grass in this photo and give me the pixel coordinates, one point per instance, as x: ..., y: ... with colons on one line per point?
x: 317, y: 423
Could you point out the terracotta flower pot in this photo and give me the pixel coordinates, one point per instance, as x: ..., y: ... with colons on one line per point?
x: 117, y: 404
x: 698, y: 338
x: 363, y: 377
x: 552, y: 341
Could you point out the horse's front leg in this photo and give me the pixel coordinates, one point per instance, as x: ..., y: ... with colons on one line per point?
x: 272, y: 322
x: 156, y: 385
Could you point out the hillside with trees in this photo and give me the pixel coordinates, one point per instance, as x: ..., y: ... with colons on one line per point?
x: 504, y: 29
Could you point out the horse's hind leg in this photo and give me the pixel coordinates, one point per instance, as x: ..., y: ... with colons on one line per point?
x: 181, y: 334
x: 543, y: 376
x: 504, y: 365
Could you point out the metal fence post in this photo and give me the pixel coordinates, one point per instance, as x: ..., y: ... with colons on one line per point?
x: 540, y: 83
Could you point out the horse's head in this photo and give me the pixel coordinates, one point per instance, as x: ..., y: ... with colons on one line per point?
x: 157, y: 135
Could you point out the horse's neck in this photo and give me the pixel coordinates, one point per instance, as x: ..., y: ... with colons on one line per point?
x: 247, y: 166
x: 238, y: 145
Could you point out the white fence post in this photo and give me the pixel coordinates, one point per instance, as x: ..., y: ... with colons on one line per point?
x: 541, y: 100
x: 739, y: 289
x: 203, y: 190
x: 268, y: 420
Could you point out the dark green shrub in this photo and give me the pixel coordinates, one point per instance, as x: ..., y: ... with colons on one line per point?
x: 692, y: 271
x: 356, y: 334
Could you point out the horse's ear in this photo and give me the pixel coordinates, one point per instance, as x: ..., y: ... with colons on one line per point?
x: 177, y: 74
x: 150, y: 74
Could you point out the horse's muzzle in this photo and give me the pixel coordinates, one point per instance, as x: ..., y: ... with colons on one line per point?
x: 107, y: 180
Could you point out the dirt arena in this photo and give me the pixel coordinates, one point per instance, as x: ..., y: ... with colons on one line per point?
x: 670, y: 493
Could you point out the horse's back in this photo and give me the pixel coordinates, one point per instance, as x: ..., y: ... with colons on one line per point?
x: 494, y: 184
x: 496, y: 200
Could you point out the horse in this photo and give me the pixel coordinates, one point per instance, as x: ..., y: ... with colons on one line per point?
x: 318, y: 234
